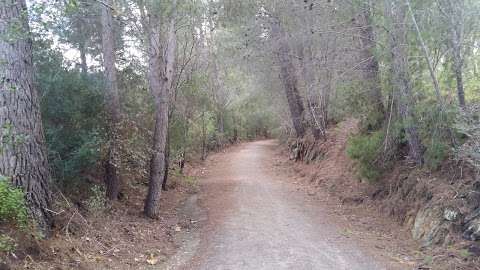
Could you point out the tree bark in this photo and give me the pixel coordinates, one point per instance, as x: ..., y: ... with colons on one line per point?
x: 161, y: 72
x: 23, y: 156
x: 458, y: 69
x: 396, y: 10
x: 370, y: 67
x: 112, y: 100
x: 456, y: 22
x: 289, y: 79
x: 167, y: 164
x: 314, y: 115
x: 83, y: 57
x: 204, y: 136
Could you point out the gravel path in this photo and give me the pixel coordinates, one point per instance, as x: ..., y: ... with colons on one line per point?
x: 257, y: 221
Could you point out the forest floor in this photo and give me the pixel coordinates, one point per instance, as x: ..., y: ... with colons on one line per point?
x: 118, y: 236
x: 253, y: 214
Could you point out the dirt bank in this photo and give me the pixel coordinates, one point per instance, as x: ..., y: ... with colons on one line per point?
x: 434, y: 209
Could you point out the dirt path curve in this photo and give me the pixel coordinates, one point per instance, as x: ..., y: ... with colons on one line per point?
x: 257, y: 221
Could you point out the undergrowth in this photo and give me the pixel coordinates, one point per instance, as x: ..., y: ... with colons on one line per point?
x: 13, y: 207
x: 13, y: 212
x: 365, y: 150
x: 7, y: 244
x: 96, y: 203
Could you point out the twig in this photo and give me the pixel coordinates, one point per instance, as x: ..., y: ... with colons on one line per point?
x: 105, y: 4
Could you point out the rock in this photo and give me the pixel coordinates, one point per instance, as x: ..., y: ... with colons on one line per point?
x: 472, y: 230
x: 450, y: 214
x: 430, y: 227
x: 476, y: 186
x: 474, y: 249
x: 472, y: 226
x: 4, y: 266
x: 473, y: 198
x: 472, y: 216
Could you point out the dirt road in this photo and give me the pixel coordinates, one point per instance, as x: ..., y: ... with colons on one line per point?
x: 258, y: 221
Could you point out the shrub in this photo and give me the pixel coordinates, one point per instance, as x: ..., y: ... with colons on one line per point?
x: 365, y: 150
x: 7, y: 244
x: 13, y: 207
x: 97, y: 201
x: 468, y: 124
x: 435, y: 154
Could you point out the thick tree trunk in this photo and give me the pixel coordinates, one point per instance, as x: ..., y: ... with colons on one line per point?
x: 289, y: 79
x: 161, y: 72
x: 370, y: 66
x: 23, y: 156
x: 112, y: 100
x: 401, y: 78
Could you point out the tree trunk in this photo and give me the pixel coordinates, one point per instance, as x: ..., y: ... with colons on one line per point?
x: 167, y: 164
x: 370, y: 66
x: 312, y: 94
x: 23, y: 157
x: 204, y: 136
x: 220, y: 122
x: 161, y: 72
x: 289, y: 79
x: 112, y: 100
x: 83, y: 57
x: 396, y: 10
x: 183, y: 155
x: 454, y: 15
x: 308, y: 70
x: 459, y: 77
x: 457, y: 39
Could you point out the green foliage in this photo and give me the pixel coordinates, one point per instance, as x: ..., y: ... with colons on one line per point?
x: 7, y: 244
x: 353, y: 99
x: 72, y: 109
x: 465, y: 253
x: 365, y: 150
x: 436, y: 131
x: 435, y: 154
x: 97, y: 201
x: 13, y: 207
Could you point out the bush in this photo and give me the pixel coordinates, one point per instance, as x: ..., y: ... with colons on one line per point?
x: 468, y: 125
x: 7, y: 244
x: 73, y: 116
x: 13, y: 207
x: 97, y: 201
x: 435, y: 154
x: 365, y: 150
